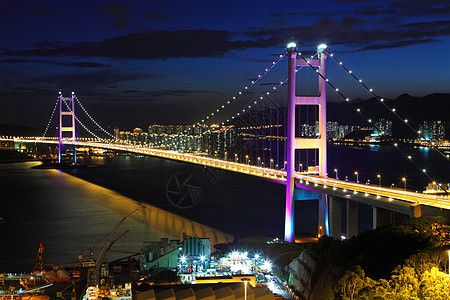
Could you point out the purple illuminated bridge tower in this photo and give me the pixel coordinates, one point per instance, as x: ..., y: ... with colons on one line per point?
x: 294, y: 143
x: 66, y: 124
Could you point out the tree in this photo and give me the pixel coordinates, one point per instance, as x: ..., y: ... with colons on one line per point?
x: 165, y: 276
x: 404, y: 284
x: 351, y: 283
x: 435, y: 285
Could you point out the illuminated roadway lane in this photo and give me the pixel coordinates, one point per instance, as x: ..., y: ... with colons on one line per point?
x: 339, y: 188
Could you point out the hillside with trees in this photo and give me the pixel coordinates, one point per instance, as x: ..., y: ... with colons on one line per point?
x: 399, y: 261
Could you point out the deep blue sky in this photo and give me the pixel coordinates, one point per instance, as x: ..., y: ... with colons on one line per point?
x: 142, y: 62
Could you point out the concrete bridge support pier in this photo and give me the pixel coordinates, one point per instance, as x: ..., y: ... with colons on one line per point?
x: 351, y: 209
x: 381, y: 217
x: 335, y: 216
x: 420, y: 210
x: 323, y: 228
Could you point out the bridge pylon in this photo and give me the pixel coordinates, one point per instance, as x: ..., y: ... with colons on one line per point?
x: 66, y: 124
x: 294, y: 143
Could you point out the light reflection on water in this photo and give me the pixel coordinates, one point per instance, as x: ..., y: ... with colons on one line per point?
x: 70, y: 215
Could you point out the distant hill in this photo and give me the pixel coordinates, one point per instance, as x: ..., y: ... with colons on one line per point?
x: 416, y: 110
x: 431, y: 107
x: 407, y: 258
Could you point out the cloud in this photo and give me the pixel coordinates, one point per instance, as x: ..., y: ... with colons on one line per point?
x: 355, y: 33
x: 391, y: 8
x: 396, y: 44
x: 84, y: 64
x: 148, y: 45
x: 278, y: 21
x: 119, y: 13
x: 81, y: 64
x: 353, y: 1
x: 43, y: 12
x: 179, y: 92
x: 429, y: 2
x: 158, y: 16
x: 4, y: 14
x: 405, y: 9
x: 358, y: 34
x: 89, y: 82
x: 95, y: 79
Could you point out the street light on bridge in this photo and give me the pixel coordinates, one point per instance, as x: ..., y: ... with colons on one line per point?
x: 404, y: 181
x: 379, y: 179
x: 336, y: 171
x: 357, y: 177
x: 245, y: 280
x: 321, y: 48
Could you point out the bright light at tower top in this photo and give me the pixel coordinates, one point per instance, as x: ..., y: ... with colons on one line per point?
x: 321, y: 48
x: 291, y: 45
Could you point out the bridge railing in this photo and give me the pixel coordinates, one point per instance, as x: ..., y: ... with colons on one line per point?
x: 275, y: 175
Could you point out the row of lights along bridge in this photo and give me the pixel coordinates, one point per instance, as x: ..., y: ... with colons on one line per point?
x: 378, y: 177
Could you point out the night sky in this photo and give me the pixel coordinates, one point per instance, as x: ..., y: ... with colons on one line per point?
x: 140, y: 62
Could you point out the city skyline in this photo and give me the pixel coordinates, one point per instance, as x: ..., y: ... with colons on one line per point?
x: 147, y: 63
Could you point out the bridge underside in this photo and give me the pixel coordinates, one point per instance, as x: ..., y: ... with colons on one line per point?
x: 339, y: 215
x: 336, y: 198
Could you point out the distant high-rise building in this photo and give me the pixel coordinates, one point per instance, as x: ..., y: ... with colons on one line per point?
x: 382, y: 127
x: 137, y: 130
x: 309, y: 131
x: 332, y: 130
x: 433, y: 131
x: 343, y: 131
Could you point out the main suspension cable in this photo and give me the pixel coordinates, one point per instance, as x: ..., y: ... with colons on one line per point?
x: 92, y: 119
x: 392, y: 110
x: 368, y: 120
x: 87, y: 129
x: 243, y: 91
x: 50, y: 121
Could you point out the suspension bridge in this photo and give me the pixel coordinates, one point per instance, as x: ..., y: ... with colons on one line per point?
x: 273, y: 128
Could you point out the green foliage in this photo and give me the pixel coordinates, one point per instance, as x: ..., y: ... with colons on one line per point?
x: 425, y: 260
x: 351, y: 283
x: 381, y: 250
x: 435, y: 285
x: 404, y: 261
x: 165, y: 276
x: 404, y: 284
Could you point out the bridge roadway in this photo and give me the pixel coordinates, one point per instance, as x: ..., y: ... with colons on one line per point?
x: 391, y: 197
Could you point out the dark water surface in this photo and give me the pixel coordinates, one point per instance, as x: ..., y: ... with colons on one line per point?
x: 70, y: 214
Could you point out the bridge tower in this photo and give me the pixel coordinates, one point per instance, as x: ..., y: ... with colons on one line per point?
x: 294, y: 143
x: 66, y: 123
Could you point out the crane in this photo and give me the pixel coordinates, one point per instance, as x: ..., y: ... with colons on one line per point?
x: 111, y: 239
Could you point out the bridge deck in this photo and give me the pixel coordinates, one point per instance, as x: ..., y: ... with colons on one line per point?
x: 344, y: 189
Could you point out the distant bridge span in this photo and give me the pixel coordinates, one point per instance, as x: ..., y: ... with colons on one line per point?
x: 394, y: 199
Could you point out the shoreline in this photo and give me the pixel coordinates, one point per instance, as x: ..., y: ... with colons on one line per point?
x: 156, y: 217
